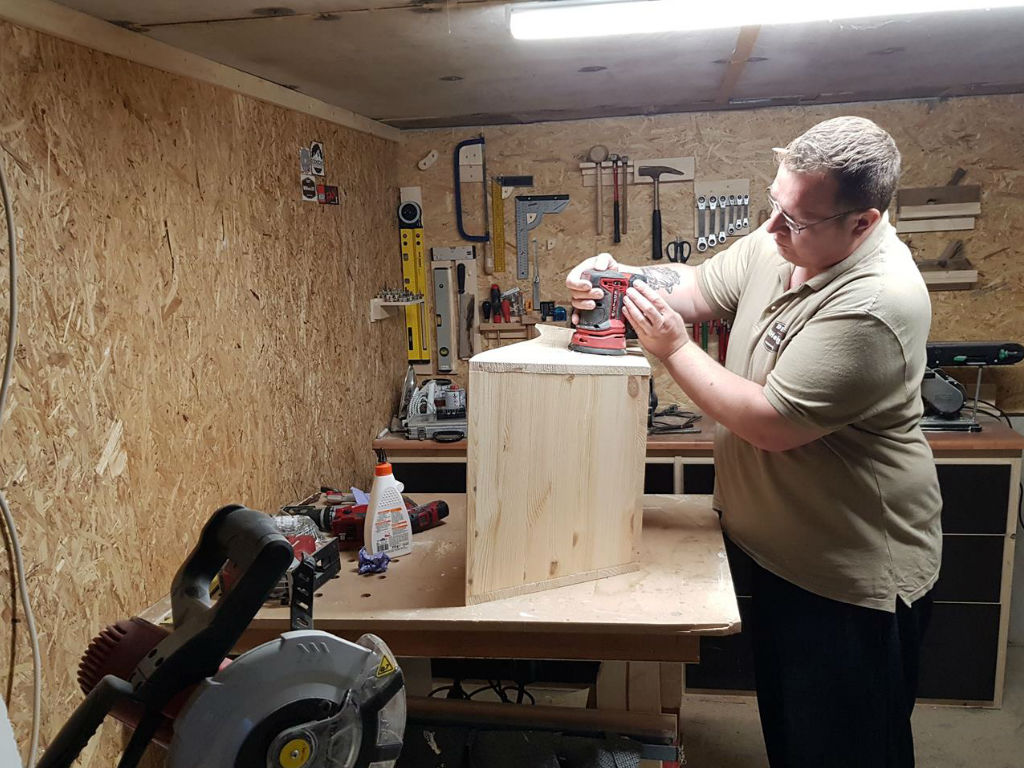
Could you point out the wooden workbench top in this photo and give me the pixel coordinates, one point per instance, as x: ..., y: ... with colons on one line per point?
x: 995, y: 439
x: 683, y: 587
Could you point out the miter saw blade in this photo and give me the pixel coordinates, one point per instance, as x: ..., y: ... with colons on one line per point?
x: 305, y: 700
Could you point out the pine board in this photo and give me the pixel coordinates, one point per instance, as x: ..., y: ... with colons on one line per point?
x: 555, y: 467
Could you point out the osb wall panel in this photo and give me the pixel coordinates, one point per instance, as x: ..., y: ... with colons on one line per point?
x: 191, y: 334
x: 981, y: 135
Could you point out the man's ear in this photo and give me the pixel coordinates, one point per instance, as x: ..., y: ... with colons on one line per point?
x: 865, y: 220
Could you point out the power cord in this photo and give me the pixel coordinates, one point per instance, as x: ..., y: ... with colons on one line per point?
x: 672, y: 418
x: 12, y: 333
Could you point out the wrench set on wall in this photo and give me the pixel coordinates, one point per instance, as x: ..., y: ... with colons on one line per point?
x: 721, y: 211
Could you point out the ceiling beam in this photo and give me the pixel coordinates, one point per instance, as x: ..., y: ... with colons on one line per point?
x: 737, y: 62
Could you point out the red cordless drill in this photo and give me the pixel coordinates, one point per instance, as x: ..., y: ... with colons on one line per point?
x: 346, y: 521
x: 603, y: 330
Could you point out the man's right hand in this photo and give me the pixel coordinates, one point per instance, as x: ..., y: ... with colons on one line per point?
x: 582, y: 292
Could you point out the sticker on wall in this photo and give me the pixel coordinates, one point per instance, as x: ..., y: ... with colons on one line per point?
x: 308, y: 185
x: 316, y: 154
x: 330, y: 195
x: 305, y: 162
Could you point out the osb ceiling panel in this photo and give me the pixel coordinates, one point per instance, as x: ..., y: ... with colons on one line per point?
x: 446, y: 63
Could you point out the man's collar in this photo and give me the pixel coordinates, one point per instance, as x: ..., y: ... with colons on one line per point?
x: 870, y: 244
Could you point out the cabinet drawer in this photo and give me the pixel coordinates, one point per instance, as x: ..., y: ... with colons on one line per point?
x: 430, y: 477
x: 698, y: 478
x: 958, y: 656
x: 658, y: 478
x: 974, y: 497
x: 972, y: 568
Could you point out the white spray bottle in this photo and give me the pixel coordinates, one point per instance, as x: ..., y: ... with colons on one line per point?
x: 387, y: 527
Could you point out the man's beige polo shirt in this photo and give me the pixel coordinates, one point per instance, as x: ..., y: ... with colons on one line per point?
x: 854, y: 515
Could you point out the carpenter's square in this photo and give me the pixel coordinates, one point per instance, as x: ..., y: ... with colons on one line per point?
x: 530, y: 210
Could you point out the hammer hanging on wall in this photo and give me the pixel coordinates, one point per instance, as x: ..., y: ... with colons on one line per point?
x: 654, y: 172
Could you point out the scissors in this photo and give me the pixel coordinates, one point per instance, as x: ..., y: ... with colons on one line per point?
x: 678, y: 251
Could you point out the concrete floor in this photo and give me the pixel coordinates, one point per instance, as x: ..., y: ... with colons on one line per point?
x: 724, y: 732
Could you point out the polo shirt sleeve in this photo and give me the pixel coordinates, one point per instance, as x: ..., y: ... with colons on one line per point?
x: 839, y: 369
x: 720, y: 278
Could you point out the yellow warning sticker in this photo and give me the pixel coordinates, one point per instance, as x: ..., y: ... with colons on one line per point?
x: 386, y: 667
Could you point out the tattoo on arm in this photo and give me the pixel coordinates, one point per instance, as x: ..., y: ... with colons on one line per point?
x: 661, y: 277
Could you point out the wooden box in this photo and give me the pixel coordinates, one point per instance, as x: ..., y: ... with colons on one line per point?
x: 555, y: 466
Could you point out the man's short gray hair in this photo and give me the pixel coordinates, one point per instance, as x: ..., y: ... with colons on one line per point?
x: 861, y: 156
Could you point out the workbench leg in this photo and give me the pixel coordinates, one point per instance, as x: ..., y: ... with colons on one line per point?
x: 611, y: 685
x: 671, y: 687
x: 418, y: 678
x: 643, y: 690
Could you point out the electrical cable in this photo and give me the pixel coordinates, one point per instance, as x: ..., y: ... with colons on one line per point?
x: 661, y: 421
x: 12, y: 332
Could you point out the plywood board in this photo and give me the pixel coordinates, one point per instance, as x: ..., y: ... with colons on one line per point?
x: 191, y: 333
x: 683, y: 586
x: 948, y: 195
x: 555, y: 466
x: 935, y: 225
x: 939, y: 211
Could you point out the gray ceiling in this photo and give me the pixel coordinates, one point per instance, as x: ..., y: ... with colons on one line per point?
x: 385, y: 59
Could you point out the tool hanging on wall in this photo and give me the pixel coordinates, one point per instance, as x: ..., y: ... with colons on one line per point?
x: 443, y: 313
x: 496, y: 263
x: 729, y: 204
x: 464, y: 318
x: 536, y: 275
x: 597, y: 155
x: 498, y: 186
x: 414, y: 275
x: 616, y: 221
x: 626, y: 173
x: 702, y: 240
x: 530, y: 210
x: 654, y: 172
x: 469, y: 167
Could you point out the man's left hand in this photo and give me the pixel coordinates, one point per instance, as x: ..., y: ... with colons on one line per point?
x: 659, y: 328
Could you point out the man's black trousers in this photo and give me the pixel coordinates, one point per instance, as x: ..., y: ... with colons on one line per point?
x: 836, y: 683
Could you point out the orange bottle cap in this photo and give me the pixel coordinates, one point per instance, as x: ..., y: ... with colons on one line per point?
x: 382, y: 470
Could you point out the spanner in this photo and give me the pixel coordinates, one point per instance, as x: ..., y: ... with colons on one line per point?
x: 702, y: 241
x: 721, y: 219
x: 712, y: 237
x: 746, y: 210
x: 732, y: 215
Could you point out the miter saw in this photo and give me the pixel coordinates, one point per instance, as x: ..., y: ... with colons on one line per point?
x: 435, y: 410
x: 307, y: 699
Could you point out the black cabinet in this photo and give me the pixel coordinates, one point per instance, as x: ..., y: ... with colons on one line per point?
x: 961, y: 652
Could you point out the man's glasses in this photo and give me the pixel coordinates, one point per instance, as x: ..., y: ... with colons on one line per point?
x: 795, y: 227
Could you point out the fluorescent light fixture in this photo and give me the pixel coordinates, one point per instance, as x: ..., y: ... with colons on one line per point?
x: 567, y: 19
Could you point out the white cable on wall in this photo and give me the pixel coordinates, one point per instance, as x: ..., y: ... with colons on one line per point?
x: 8, y: 519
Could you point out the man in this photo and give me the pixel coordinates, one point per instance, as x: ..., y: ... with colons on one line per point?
x: 825, y: 482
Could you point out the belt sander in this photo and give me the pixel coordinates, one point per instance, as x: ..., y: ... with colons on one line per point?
x: 307, y: 699
x: 603, y: 330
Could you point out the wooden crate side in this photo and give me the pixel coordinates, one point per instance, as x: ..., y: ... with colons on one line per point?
x: 555, y: 479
